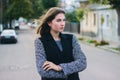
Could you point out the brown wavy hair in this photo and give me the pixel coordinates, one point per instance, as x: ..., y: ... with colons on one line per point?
x: 44, y: 28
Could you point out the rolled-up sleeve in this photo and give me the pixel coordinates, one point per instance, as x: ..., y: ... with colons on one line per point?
x: 79, y: 63
x: 41, y: 58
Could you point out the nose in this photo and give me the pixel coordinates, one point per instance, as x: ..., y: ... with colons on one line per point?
x: 62, y: 23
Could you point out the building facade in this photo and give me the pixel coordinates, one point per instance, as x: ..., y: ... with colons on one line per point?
x: 101, y: 22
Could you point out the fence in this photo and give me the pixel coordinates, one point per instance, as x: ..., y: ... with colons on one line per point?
x: 73, y: 27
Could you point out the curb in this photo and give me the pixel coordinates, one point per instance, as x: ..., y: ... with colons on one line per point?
x: 101, y: 47
x: 107, y: 48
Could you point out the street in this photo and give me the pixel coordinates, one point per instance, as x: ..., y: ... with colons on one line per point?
x: 17, y: 61
x: 102, y: 65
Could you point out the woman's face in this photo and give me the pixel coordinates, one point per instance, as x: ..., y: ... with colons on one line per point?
x: 58, y: 23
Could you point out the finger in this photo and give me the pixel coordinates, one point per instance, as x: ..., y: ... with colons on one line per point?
x: 46, y: 67
x: 45, y: 63
x: 49, y: 68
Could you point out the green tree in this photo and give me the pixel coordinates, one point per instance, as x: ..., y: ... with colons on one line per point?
x: 77, y: 17
x: 99, y: 1
x: 102, y: 21
x: 19, y: 8
x: 49, y: 3
x: 72, y: 16
x: 5, y: 17
x: 13, y: 9
x: 37, y: 7
x: 80, y: 14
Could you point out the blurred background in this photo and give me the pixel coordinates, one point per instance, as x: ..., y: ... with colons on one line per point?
x: 96, y: 23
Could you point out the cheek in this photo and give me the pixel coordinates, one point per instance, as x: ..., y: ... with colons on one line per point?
x: 55, y: 26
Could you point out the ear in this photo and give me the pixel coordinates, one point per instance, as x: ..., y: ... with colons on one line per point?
x: 49, y: 23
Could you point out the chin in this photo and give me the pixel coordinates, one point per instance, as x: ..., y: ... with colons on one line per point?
x: 61, y: 31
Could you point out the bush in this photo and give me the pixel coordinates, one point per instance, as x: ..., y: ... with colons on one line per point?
x: 102, y: 42
x: 91, y: 41
x: 81, y: 38
x: 118, y: 49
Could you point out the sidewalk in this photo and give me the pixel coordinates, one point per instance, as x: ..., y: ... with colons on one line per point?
x: 109, y: 47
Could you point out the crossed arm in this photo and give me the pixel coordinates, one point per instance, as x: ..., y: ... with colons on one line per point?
x: 50, y: 70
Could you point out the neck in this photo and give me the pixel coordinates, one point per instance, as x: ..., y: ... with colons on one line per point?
x: 55, y: 35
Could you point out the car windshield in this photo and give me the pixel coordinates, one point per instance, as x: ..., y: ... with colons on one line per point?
x: 11, y: 32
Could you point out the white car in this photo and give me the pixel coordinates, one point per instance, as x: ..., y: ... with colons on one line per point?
x: 34, y: 24
x: 8, y: 35
x: 16, y: 26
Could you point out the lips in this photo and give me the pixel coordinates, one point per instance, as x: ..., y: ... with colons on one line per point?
x: 62, y: 27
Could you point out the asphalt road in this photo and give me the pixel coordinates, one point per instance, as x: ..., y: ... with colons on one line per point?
x: 101, y: 64
x: 17, y: 61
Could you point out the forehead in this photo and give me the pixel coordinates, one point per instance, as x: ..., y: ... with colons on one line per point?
x: 60, y: 15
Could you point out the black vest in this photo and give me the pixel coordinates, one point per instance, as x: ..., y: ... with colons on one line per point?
x: 56, y: 56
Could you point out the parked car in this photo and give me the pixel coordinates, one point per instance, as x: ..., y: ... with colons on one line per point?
x: 8, y: 35
x: 34, y: 24
x: 16, y: 26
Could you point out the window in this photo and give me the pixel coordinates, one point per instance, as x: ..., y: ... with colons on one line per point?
x: 107, y: 20
x: 86, y: 19
x: 94, y: 19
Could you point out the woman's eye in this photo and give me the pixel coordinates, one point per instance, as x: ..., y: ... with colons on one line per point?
x: 58, y: 20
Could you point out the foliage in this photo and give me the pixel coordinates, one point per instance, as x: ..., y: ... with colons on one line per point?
x: 48, y: 3
x: 80, y: 14
x: 20, y: 8
x: 91, y: 41
x: 118, y: 49
x: 102, y: 20
x: 99, y: 1
x: 81, y: 38
x: 75, y: 16
x: 94, y: 42
x: 37, y: 7
x: 98, y: 43
x: 15, y: 9
x: 71, y: 16
x: 115, y: 3
x: 101, y: 43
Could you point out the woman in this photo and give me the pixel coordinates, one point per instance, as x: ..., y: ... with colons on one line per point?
x: 58, y: 55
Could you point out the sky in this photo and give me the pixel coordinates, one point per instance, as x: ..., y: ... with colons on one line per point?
x: 70, y: 3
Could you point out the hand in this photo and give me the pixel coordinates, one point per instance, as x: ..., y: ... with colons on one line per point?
x: 50, y: 65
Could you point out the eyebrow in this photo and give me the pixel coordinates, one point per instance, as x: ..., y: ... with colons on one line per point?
x: 61, y: 19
